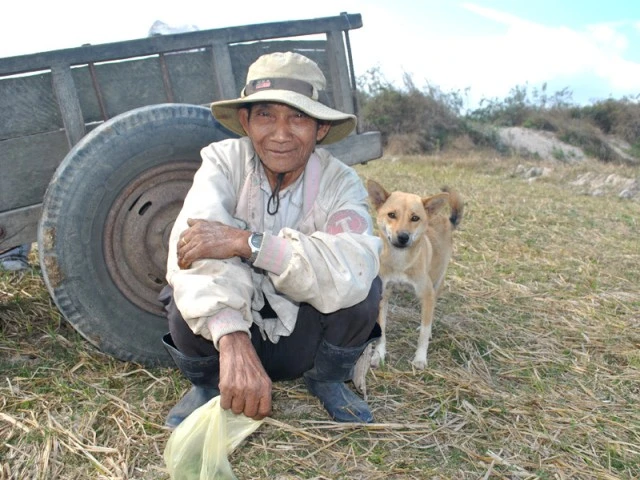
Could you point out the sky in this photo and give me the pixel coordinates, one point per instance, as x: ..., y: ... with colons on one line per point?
x: 483, y: 49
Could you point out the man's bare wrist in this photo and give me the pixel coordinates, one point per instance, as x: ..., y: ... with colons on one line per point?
x: 233, y: 338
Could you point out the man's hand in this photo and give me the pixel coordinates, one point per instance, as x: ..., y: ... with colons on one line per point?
x: 244, y: 385
x: 209, y: 239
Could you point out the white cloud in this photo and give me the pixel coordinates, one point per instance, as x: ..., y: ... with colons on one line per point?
x: 398, y: 36
x: 500, y: 17
x: 522, y: 52
x: 607, y: 36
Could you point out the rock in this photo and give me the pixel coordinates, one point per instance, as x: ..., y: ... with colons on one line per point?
x: 545, y: 145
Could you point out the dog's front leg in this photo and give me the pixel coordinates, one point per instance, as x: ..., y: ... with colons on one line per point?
x: 428, y: 307
x: 381, y: 345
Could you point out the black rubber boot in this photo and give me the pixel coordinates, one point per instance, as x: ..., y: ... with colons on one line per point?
x: 202, y: 372
x: 326, y: 380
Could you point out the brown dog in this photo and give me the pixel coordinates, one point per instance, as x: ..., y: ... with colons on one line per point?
x: 417, y: 244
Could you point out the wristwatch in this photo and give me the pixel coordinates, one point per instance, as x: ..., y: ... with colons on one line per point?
x: 255, y: 242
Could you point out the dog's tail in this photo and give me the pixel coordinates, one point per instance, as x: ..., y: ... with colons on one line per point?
x: 457, y: 206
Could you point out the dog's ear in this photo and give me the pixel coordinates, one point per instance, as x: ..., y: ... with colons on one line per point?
x: 377, y: 193
x: 434, y: 203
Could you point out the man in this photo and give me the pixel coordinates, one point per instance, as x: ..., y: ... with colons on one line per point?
x: 272, y: 268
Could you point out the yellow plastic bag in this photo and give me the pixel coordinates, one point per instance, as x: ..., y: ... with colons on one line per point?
x: 198, y: 448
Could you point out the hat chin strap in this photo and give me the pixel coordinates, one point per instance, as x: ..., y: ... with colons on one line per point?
x: 274, y: 200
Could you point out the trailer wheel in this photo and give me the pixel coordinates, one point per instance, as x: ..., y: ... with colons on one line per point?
x: 107, y: 215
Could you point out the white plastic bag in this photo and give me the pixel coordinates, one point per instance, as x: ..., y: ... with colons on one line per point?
x: 198, y: 448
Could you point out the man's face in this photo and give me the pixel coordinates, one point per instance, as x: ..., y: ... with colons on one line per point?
x: 282, y: 136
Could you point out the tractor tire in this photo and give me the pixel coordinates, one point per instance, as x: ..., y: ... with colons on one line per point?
x: 106, y: 219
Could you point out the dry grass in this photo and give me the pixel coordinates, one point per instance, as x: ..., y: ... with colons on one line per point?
x: 533, y: 367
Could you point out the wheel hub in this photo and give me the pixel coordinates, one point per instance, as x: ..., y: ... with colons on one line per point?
x: 137, y: 231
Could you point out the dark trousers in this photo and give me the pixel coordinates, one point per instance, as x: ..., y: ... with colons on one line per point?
x: 295, y: 354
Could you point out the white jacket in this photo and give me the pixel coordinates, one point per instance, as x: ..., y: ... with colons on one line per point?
x: 328, y: 260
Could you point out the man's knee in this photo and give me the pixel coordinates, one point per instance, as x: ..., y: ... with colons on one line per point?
x: 183, y: 337
x: 355, y: 325
x: 367, y: 310
x: 172, y: 313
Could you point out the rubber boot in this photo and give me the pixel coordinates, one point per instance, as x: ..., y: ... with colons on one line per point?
x: 202, y: 372
x: 326, y: 380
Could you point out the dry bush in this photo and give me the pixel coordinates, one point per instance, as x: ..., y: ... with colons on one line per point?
x: 425, y: 121
x: 616, y: 117
x: 428, y: 118
x: 403, y: 144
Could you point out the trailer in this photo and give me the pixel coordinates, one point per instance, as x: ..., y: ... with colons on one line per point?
x: 98, y: 148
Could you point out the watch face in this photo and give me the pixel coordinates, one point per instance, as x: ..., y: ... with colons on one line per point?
x: 256, y: 240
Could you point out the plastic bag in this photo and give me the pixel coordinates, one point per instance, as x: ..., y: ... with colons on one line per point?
x: 198, y: 447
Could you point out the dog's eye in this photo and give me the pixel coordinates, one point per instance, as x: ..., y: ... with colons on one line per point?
x: 415, y: 218
x: 391, y: 214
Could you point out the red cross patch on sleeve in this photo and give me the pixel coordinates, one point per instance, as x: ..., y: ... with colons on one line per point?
x: 346, y: 221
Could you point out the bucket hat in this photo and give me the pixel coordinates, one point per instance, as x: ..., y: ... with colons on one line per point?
x: 292, y: 79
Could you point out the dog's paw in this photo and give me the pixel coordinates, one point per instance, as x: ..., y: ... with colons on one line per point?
x: 419, y: 363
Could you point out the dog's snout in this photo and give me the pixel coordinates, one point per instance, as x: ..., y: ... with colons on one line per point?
x: 403, y: 238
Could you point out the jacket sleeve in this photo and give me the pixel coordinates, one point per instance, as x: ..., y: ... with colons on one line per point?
x: 333, y: 267
x: 213, y: 296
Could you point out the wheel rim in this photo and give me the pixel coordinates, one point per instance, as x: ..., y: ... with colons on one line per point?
x: 137, y: 231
